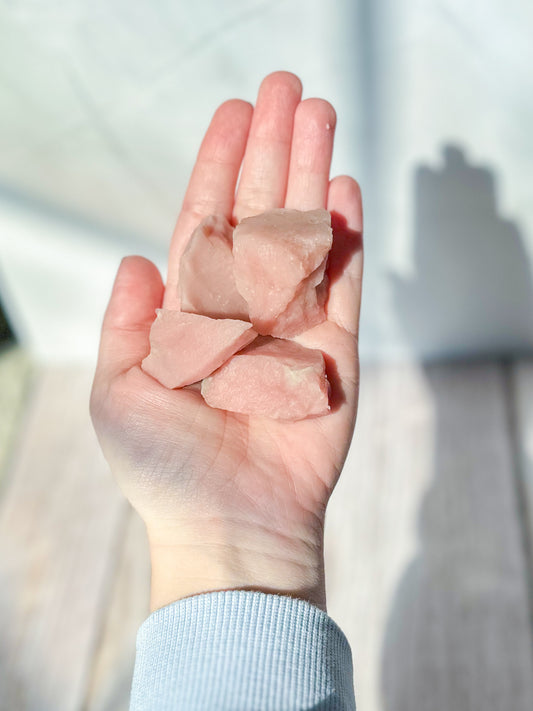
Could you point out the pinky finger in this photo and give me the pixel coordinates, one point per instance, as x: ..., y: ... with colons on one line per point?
x: 345, y: 266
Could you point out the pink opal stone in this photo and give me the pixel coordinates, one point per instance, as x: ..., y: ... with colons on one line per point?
x: 273, y: 378
x: 206, y: 278
x: 279, y: 261
x: 188, y: 347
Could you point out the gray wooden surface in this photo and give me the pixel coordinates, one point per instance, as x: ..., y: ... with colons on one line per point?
x: 15, y: 382
x: 428, y: 572
x: 60, y: 518
x: 428, y: 549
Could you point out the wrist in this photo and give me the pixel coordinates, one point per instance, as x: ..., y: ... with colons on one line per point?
x: 214, y: 556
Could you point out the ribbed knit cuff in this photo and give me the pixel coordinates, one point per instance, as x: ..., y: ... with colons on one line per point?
x: 241, y: 650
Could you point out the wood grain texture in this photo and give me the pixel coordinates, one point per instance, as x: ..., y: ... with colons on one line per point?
x: 59, y: 516
x: 521, y: 396
x: 427, y: 572
x: 15, y: 379
x: 127, y: 607
x: 425, y: 563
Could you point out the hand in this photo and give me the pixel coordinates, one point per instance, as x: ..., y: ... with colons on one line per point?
x: 231, y: 501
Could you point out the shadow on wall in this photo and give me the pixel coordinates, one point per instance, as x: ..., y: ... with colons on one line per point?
x: 472, y: 293
x: 457, y: 633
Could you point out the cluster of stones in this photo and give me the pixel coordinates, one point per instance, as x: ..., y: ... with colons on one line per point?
x: 244, y: 293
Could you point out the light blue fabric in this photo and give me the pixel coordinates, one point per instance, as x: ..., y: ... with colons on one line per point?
x: 240, y: 650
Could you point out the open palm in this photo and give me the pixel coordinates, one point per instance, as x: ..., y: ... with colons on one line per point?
x: 205, y: 477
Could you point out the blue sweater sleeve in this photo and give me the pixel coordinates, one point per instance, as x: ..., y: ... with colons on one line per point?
x: 240, y: 650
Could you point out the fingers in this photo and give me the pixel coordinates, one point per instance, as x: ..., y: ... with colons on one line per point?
x: 287, y: 148
x: 212, y: 185
x: 265, y: 169
x: 337, y: 336
x: 342, y: 367
x: 137, y: 293
x: 345, y: 264
x: 312, y: 147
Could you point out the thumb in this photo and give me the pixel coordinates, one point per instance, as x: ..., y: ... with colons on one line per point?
x: 137, y: 293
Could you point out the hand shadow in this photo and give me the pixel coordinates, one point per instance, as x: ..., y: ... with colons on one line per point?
x: 457, y: 633
x: 471, y: 294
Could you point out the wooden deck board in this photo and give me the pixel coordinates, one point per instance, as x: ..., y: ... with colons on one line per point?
x: 424, y: 550
x: 15, y: 377
x: 522, y: 400
x: 128, y: 607
x: 59, y: 515
x: 427, y: 571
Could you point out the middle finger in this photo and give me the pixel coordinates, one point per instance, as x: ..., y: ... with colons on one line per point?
x: 265, y: 168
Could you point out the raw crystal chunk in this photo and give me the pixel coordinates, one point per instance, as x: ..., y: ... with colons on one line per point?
x: 271, y: 377
x: 187, y: 347
x: 206, y: 279
x: 279, y: 260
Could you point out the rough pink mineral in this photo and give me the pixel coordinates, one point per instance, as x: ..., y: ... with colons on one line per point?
x: 206, y: 278
x: 279, y: 262
x: 270, y: 271
x: 273, y: 378
x: 188, y: 347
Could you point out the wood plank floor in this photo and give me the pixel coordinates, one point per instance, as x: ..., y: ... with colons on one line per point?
x: 428, y: 547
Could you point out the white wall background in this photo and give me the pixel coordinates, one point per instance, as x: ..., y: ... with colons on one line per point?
x: 103, y: 106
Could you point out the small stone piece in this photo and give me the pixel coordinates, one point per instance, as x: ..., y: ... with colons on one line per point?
x: 206, y: 279
x: 187, y: 347
x: 279, y: 261
x: 273, y: 378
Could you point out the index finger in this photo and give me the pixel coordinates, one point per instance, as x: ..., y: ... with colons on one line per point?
x: 212, y: 185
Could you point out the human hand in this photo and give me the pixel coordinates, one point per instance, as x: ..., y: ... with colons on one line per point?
x: 233, y: 501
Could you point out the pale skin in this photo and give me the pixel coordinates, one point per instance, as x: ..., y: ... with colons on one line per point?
x: 232, y: 501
